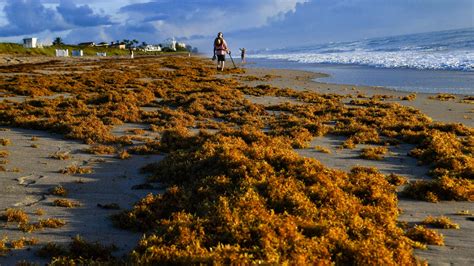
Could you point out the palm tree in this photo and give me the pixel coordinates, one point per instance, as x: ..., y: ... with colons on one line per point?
x: 58, y: 41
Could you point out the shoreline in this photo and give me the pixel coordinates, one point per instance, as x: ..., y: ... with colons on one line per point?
x: 400, y: 79
x: 451, y: 111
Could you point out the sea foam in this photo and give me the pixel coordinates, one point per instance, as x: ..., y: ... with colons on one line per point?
x: 447, y: 50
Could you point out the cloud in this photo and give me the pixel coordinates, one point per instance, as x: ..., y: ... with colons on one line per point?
x: 32, y: 16
x: 29, y: 16
x: 81, y: 15
x: 185, y: 18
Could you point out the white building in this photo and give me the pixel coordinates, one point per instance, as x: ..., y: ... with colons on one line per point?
x: 30, y: 42
x: 152, y: 48
x: 181, y: 45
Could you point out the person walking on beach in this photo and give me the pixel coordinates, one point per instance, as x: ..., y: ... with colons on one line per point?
x: 242, y: 55
x: 220, y: 49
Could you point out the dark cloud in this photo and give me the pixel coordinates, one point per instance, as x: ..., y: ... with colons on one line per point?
x: 31, y: 16
x: 81, y: 15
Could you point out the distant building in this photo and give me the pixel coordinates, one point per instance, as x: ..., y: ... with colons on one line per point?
x: 121, y: 45
x: 152, y: 48
x: 102, y: 44
x: 30, y: 42
x: 87, y: 44
x: 181, y: 45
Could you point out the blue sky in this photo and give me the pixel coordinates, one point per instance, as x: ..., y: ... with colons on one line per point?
x: 251, y: 23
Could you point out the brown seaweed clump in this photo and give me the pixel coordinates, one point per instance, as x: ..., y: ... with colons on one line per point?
x: 373, y: 153
x: 424, y: 235
x: 260, y: 202
x: 442, y: 222
x: 65, y: 203
x: 78, y: 252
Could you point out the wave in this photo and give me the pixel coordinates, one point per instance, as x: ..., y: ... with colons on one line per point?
x: 447, y: 50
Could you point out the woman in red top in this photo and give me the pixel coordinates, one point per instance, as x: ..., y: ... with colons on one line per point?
x: 220, y: 49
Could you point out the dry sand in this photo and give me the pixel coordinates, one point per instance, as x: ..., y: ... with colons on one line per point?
x: 111, y: 182
x: 112, y: 179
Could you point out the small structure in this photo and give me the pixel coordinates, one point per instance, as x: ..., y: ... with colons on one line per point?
x: 77, y: 53
x: 102, y: 54
x: 87, y: 44
x: 62, y: 53
x: 30, y: 42
x: 117, y: 45
x: 181, y: 45
x: 152, y: 48
x: 102, y: 44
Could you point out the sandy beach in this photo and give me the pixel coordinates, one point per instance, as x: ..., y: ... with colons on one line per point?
x: 30, y: 172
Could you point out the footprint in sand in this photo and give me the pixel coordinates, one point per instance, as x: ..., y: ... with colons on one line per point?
x: 29, y: 201
x: 28, y: 180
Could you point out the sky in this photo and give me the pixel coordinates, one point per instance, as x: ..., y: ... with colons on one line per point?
x: 256, y: 24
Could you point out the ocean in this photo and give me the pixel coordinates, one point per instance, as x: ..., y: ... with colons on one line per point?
x: 437, y: 62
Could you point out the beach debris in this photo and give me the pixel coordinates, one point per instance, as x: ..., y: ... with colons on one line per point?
x: 58, y: 191
x: 5, y: 142
x: 65, y: 203
x: 14, y: 215
x: 396, y: 180
x: 123, y: 155
x: 61, y: 155
x: 424, y: 235
x: 442, y: 222
x: 409, y: 97
x: 373, y: 153
x: 28, y: 180
x: 322, y: 149
x: 255, y: 194
x: 76, y: 170
x: 78, y: 251
x: 101, y: 149
x: 443, y: 97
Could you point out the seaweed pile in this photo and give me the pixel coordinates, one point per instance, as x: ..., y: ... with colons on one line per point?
x: 241, y: 193
x: 241, y: 196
